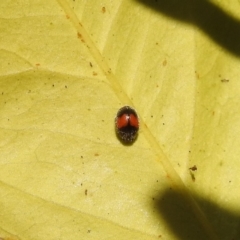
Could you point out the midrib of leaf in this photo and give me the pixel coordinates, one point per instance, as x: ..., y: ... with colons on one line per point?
x: 172, y: 175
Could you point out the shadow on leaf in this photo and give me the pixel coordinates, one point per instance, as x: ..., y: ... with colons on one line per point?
x: 221, y: 27
x: 180, y: 219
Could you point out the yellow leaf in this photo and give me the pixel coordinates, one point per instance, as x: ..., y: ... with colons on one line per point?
x: 66, y: 67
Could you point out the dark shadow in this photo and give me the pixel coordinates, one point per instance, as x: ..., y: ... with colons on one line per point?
x: 212, y: 20
x: 181, y: 220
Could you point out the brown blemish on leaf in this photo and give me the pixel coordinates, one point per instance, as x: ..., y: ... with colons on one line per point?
x: 192, y: 176
x: 224, y: 80
x: 197, y: 75
x: 80, y: 37
x: 193, y: 168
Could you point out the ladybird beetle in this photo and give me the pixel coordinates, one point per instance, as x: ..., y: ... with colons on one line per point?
x: 127, y: 124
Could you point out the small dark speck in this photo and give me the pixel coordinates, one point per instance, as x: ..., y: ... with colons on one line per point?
x: 90, y: 64
x: 89, y: 231
x: 151, y: 116
x: 192, y: 176
x: 65, y: 86
x: 163, y: 124
x: 2, y: 93
x: 224, y: 80
x: 81, y: 156
x: 193, y: 168
x: 86, y: 192
x: 153, y: 198
x: 53, y: 85
x: 79, y: 35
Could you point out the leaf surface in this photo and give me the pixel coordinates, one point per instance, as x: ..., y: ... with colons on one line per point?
x: 66, y: 67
